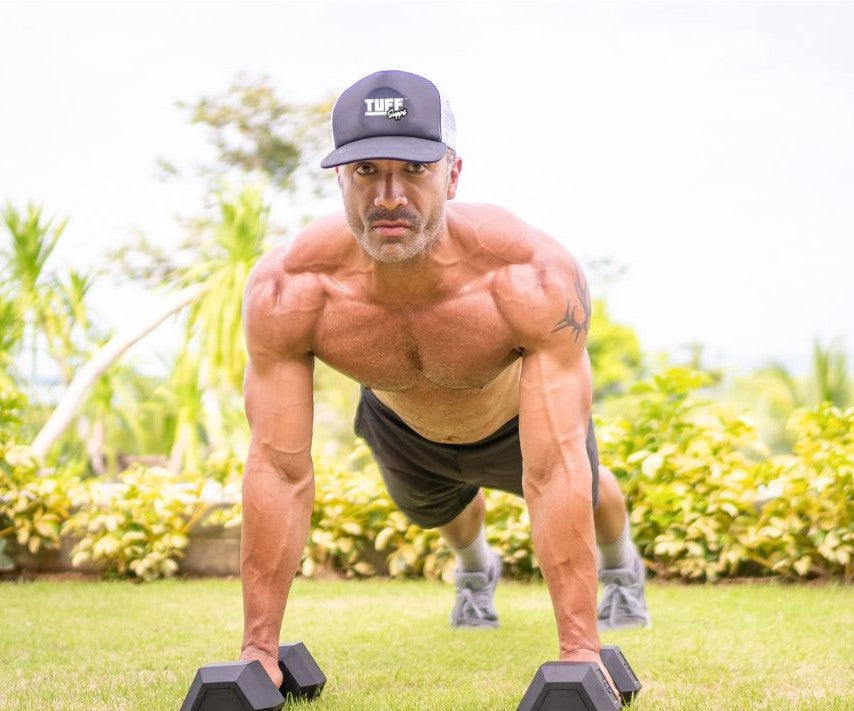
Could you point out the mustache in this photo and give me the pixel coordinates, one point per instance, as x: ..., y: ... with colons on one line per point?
x: 399, y: 215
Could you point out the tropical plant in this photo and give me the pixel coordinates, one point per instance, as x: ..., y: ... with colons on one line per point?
x: 773, y: 393
x: 25, y: 282
x: 214, y: 322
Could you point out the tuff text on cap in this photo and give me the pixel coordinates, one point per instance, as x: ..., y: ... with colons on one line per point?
x: 391, y: 107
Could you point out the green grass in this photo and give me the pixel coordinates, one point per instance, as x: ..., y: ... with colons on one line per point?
x: 385, y: 645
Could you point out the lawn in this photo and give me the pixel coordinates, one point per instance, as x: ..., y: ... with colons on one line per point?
x: 386, y: 645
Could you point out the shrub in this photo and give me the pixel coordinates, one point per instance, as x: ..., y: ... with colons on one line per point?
x: 356, y: 528
x: 687, y: 468
x: 805, y: 527
x: 32, y: 507
x: 705, y: 499
x: 138, y: 525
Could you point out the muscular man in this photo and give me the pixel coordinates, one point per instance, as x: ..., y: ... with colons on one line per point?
x: 466, y: 328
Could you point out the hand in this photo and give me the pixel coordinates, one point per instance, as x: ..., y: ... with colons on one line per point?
x: 268, y: 661
x: 586, y: 655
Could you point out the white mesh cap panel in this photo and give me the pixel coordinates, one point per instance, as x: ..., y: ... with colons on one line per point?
x: 449, y: 124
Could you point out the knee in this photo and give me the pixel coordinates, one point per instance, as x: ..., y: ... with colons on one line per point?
x: 610, y: 494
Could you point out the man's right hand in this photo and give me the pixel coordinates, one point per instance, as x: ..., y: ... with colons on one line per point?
x: 584, y: 655
x: 268, y: 661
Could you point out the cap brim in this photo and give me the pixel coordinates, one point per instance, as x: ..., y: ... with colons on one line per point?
x: 408, y: 148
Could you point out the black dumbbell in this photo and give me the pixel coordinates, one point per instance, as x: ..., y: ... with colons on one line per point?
x: 628, y: 685
x: 581, y: 686
x: 246, y: 686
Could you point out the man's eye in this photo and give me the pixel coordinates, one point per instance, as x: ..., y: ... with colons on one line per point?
x: 416, y: 167
x: 364, y: 168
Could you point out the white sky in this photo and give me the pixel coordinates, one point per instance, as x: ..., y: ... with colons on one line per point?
x: 709, y: 147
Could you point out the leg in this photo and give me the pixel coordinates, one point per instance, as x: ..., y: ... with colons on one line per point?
x: 463, y: 530
x: 478, y: 567
x: 610, y: 515
x: 621, y: 569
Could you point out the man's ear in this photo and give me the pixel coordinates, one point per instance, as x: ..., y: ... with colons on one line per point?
x: 338, y: 176
x: 454, y: 177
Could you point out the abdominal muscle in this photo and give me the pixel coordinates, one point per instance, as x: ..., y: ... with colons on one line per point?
x: 457, y: 415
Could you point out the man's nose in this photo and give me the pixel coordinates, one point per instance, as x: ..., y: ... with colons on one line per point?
x: 391, y: 194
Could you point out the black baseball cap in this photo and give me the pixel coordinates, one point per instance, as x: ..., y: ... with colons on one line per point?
x: 391, y: 115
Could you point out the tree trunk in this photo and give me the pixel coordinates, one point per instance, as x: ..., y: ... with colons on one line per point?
x: 108, y: 354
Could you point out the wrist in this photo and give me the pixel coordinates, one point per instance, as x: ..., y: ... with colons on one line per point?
x: 580, y: 655
x: 256, y: 650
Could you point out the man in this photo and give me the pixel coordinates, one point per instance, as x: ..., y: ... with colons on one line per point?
x: 466, y: 328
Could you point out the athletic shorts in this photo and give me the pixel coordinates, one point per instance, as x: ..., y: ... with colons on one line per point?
x: 432, y: 482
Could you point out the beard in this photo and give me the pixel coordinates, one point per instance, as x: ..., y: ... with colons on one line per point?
x: 419, y: 238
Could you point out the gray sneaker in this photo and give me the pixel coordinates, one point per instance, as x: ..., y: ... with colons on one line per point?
x: 623, y: 604
x: 475, y: 591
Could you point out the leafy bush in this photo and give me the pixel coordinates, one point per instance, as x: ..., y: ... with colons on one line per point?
x: 687, y: 466
x: 707, y: 501
x: 139, y: 524
x: 806, y: 526
x: 356, y: 528
x: 705, y: 498
x: 32, y: 507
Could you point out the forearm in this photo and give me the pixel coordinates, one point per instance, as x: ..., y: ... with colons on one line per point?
x: 559, y: 502
x: 276, y: 521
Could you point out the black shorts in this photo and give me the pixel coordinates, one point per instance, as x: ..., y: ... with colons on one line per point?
x: 432, y: 482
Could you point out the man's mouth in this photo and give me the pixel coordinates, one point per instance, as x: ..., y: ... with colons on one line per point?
x: 391, y: 228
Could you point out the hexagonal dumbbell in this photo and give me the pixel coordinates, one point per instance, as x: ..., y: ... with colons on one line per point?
x: 246, y: 686
x: 581, y: 686
x: 628, y: 685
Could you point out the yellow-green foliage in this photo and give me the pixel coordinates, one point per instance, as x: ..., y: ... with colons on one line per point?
x: 356, y: 527
x: 706, y: 500
x: 32, y: 507
x: 357, y: 530
x: 685, y: 465
x: 139, y: 524
x: 806, y: 525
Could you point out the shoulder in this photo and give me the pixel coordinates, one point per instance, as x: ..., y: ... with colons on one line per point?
x: 285, y: 289
x: 543, y: 290
x: 494, y: 231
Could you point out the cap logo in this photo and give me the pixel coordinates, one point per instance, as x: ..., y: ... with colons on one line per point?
x: 391, y: 107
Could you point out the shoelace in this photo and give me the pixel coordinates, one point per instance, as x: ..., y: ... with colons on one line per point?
x: 466, y: 600
x: 614, y: 597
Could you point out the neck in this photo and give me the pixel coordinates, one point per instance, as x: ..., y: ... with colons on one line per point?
x: 416, y: 280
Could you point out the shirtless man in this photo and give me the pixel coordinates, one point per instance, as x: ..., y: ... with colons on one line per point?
x: 466, y: 328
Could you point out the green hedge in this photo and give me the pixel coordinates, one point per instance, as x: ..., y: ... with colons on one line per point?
x: 706, y: 500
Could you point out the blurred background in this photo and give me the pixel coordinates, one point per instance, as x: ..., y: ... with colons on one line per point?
x: 697, y: 158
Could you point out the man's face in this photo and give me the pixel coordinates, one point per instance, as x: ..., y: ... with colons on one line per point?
x: 395, y: 209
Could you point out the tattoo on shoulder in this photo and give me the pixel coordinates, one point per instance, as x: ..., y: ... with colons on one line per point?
x: 569, y: 319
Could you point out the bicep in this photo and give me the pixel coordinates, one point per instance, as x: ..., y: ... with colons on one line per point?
x: 280, y: 407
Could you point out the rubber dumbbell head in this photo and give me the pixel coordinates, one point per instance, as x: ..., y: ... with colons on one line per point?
x: 233, y: 686
x: 628, y: 685
x: 569, y: 686
x: 301, y: 676
x: 581, y: 686
x: 246, y: 686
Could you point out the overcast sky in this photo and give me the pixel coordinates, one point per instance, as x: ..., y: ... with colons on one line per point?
x: 707, y: 147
